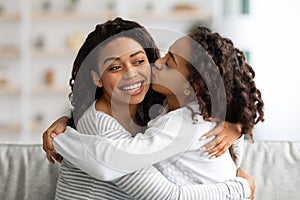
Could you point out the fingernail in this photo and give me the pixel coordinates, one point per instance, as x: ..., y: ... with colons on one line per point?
x: 53, y: 135
x: 202, y: 149
x: 203, y: 138
x: 204, y: 153
x: 212, y: 157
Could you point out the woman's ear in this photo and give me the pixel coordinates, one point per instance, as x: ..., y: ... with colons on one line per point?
x: 96, y: 78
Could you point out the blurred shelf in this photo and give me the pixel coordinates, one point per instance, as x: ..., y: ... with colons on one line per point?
x: 45, y: 90
x: 9, y: 90
x: 39, y: 127
x: 55, y: 33
x: 72, y: 16
x: 104, y: 15
x: 9, y: 17
x: 43, y: 53
x: 9, y: 52
x: 12, y: 127
x: 172, y: 15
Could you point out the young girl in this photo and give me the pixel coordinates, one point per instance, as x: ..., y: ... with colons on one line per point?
x: 122, y: 75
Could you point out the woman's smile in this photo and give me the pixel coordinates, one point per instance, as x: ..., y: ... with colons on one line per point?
x: 133, y: 88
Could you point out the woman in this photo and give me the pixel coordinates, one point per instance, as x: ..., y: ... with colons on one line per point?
x: 104, y: 80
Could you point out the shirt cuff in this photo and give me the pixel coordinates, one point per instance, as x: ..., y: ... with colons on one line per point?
x: 245, y: 185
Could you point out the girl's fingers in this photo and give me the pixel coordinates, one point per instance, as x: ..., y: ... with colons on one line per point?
x: 215, y: 131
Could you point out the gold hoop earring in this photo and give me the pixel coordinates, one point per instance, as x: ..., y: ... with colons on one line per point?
x: 186, y: 91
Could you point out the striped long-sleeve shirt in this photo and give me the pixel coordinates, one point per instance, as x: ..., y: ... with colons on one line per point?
x: 147, y: 183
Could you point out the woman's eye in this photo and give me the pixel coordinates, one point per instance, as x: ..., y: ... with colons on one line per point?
x: 113, y: 68
x: 140, y: 61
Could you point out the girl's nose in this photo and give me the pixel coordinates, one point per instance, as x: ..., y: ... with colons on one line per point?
x: 159, y: 63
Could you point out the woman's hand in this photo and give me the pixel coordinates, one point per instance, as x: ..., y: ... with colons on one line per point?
x: 242, y: 174
x: 55, y: 129
x: 227, y: 133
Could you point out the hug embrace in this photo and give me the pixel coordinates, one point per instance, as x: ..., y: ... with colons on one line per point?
x: 150, y: 127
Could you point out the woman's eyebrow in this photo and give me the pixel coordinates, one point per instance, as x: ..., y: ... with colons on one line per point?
x: 110, y: 59
x: 136, y: 53
x: 117, y: 58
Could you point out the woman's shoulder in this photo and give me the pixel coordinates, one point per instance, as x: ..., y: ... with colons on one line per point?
x: 99, y: 118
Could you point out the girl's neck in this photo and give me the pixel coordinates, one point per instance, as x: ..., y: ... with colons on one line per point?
x: 174, y: 102
x: 178, y: 101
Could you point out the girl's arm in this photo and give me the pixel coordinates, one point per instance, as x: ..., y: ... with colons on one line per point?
x: 107, y: 159
x: 151, y: 184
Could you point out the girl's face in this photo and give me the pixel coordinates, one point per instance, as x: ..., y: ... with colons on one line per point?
x: 124, y: 71
x: 170, y: 74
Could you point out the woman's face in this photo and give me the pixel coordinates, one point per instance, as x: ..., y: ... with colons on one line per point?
x: 124, y: 71
x: 170, y: 74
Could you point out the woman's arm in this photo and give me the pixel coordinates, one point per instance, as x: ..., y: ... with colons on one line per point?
x: 56, y: 127
x: 151, y: 184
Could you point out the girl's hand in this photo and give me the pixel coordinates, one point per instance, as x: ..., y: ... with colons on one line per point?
x: 55, y: 129
x: 226, y: 134
x: 242, y: 174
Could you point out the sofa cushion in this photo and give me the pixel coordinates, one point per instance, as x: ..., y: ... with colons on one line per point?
x: 25, y: 173
x: 275, y: 166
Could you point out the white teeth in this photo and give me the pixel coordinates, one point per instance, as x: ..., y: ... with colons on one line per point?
x: 132, y: 87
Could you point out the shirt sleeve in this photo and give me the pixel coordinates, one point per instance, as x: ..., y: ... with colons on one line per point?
x: 237, y: 148
x: 150, y: 184
x: 107, y: 159
x: 68, y: 113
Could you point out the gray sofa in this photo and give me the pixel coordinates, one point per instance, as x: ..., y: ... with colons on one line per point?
x: 26, y: 174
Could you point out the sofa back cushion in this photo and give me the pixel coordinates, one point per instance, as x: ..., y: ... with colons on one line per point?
x: 275, y: 166
x: 25, y: 173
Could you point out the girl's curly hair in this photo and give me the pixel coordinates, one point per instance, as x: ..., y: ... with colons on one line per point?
x: 84, y: 91
x: 244, y: 103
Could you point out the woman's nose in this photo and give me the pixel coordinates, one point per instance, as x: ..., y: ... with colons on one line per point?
x: 131, y: 72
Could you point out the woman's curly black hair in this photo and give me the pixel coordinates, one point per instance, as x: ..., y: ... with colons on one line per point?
x: 244, y: 102
x: 84, y: 91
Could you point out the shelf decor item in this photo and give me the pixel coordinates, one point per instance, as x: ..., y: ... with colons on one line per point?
x: 1, y: 9
x: 75, y: 40
x: 39, y: 42
x: 111, y: 4
x: 3, y: 76
x: 72, y: 5
x: 149, y: 6
x: 245, y: 7
x: 46, y: 5
x: 49, y: 77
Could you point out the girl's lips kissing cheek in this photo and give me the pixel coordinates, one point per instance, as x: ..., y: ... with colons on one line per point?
x: 134, y: 88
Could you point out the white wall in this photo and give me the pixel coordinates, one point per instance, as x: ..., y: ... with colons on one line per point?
x: 271, y: 32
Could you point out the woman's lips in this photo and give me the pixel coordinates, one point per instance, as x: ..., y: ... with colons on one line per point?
x: 133, y: 89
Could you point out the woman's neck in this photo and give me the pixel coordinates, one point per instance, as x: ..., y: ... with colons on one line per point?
x: 123, y: 113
